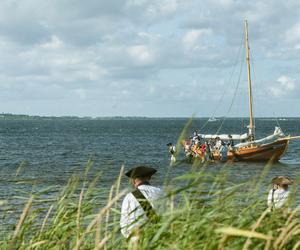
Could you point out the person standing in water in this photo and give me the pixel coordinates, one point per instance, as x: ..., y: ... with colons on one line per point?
x: 188, y: 153
x: 172, y: 151
x: 223, y: 152
x: 279, y: 193
x: 207, y: 152
x: 203, y: 150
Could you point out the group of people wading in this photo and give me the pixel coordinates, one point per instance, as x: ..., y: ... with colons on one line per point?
x: 206, y: 150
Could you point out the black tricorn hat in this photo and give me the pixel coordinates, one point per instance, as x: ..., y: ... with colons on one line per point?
x: 140, y: 171
x: 282, y: 180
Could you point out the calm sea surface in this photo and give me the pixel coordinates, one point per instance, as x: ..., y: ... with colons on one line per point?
x: 53, y: 150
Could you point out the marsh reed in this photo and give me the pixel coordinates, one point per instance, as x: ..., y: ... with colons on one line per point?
x: 202, y: 210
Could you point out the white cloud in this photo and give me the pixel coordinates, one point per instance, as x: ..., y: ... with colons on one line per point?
x: 285, y: 86
x: 149, y: 36
x: 152, y: 12
x: 193, y: 37
x: 225, y: 3
x: 90, y: 49
x: 168, y: 6
x: 54, y: 43
x: 287, y: 82
x: 293, y: 34
x: 142, y: 54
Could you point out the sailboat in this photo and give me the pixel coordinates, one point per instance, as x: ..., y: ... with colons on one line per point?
x: 212, y: 119
x: 249, y: 148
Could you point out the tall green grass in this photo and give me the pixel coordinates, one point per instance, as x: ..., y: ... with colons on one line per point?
x: 203, y: 210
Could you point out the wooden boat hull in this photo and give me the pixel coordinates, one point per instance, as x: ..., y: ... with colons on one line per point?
x: 266, y: 152
x: 270, y: 151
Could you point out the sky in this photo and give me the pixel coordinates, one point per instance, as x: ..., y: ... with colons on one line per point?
x: 156, y: 58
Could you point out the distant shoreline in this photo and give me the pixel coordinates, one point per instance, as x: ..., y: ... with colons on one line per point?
x: 7, y: 116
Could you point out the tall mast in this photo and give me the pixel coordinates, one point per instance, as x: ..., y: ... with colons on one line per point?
x: 251, y: 127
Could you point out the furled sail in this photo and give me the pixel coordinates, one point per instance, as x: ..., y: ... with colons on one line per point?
x: 276, y: 135
x: 224, y: 136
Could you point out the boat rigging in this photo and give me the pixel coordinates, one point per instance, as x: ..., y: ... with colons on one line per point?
x: 249, y: 147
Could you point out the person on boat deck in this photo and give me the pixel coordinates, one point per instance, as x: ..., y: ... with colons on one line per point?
x: 230, y: 142
x: 172, y: 151
x: 196, y: 138
x: 142, y: 205
x: 223, y: 152
x: 195, y: 134
x: 218, y: 143
x: 279, y: 193
x: 251, y: 137
x: 212, y: 144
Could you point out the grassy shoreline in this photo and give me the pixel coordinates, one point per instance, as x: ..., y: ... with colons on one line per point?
x: 202, y: 211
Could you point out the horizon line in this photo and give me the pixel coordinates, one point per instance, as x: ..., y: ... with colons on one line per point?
x: 141, y: 116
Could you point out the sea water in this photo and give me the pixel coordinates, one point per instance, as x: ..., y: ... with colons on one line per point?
x: 49, y: 151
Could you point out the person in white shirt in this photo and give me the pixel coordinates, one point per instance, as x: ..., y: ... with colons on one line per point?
x: 278, y: 195
x: 196, y: 139
x: 141, y: 205
x: 218, y: 143
x: 172, y: 151
x: 188, y: 152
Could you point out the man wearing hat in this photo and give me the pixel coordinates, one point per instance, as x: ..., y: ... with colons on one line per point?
x: 278, y: 195
x: 141, y: 205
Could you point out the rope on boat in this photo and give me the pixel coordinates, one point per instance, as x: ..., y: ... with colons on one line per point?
x: 253, y: 89
x: 225, y: 89
x: 234, y: 96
